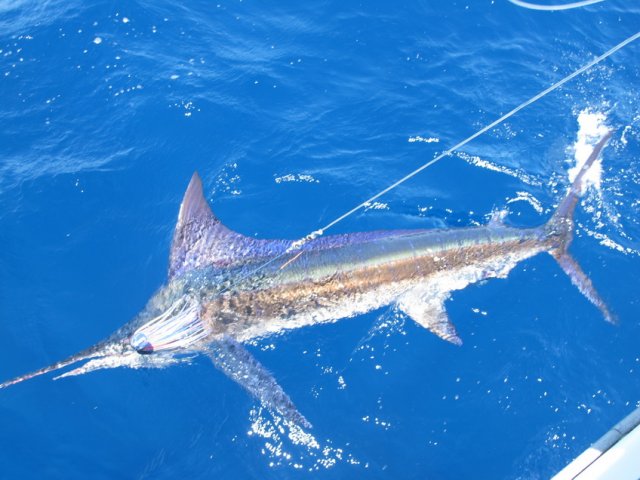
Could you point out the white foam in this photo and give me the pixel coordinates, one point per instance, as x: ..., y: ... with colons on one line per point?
x: 418, y: 138
x: 604, y: 215
x: 376, y: 206
x: 486, y: 164
x: 608, y: 242
x: 591, y: 128
x: 530, y: 199
x: 300, y: 177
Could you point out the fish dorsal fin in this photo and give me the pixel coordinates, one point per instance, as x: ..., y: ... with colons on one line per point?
x: 200, y: 239
x: 194, y: 207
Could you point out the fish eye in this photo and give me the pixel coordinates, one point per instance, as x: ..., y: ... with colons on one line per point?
x: 140, y: 343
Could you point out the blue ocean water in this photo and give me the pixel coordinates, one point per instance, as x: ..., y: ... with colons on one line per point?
x: 293, y: 114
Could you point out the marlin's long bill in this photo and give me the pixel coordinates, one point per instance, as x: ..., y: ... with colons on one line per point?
x: 90, y: 353
x: 225, y: 289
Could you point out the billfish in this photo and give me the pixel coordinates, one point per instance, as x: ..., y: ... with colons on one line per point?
x: 225, y: 289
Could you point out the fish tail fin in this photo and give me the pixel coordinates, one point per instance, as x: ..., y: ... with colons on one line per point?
x: 559, y: 234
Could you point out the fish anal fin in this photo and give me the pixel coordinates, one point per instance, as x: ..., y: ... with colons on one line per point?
x: 237, y: 363
x: 429, y: 313
x: 580, y: 279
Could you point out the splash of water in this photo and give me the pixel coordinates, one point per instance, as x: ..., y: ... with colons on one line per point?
x: 591, y: 128
x: 604, y: 214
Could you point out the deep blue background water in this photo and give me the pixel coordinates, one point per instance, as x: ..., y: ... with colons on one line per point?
x: 107, y: 109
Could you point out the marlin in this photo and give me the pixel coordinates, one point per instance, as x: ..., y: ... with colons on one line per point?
x: 225, y: 289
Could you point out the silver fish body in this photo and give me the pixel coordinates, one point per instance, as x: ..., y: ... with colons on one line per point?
x: 225, y: 289
x: 328, y: 284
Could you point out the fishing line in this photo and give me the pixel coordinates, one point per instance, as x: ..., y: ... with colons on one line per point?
x: 553, y: 8
x: 495, y: 123
x: 298, y: 244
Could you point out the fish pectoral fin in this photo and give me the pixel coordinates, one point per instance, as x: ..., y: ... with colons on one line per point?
x: 429, y: 313
x: 235, y: 361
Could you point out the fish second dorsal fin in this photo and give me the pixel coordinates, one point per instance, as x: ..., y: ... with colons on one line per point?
x: 201, y: 240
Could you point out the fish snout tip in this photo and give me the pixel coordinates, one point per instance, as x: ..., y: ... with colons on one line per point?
x: 140, y: 343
